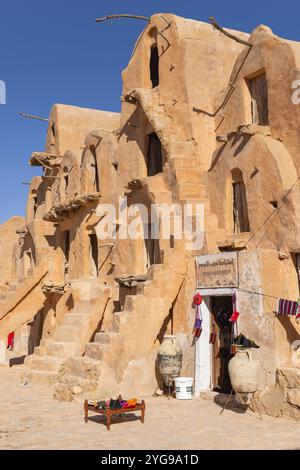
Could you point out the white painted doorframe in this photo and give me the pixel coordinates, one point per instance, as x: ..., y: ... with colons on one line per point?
x: 203, y: 350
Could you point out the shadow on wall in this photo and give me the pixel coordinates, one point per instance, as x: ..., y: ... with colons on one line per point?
x: 291, y: 332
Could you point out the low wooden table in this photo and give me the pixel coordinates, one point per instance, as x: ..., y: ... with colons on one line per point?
x: 109, y: 413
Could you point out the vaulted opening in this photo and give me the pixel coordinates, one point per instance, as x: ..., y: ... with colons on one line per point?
x: 240, y: 208
x: 154, y: 66
x: 95, y: 172
x: 296, y: 260
x: 65, y: 180
x: 93, y: 249
x: 152, y: 248
x: 66, y: 251
x: 35, y: 205
x: 258, y: 87
x: 154, y: 156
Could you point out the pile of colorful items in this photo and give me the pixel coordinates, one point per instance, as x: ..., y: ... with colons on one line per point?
x: 114, y: 404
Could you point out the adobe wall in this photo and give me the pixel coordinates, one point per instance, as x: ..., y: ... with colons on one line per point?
x: 8, y: 241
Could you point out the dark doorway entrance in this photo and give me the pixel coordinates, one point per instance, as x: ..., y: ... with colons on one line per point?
x: 66, y: 250
x: 152, y: 248
x: 154, y: 66
x: 259, y: 99
x: 93, y: 254
x: 155, y: 155
x: 222, y: 309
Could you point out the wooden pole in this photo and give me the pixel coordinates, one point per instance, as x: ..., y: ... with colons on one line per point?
x: 30, y: 116
x: 122, y: 15
x: 226, y: 33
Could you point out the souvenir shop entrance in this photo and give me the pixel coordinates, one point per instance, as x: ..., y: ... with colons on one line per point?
x: 216, y: 283
x: 220, y: 340
x: 213, y: 348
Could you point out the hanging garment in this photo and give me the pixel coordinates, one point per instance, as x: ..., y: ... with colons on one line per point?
x: 198, y: 322
x: 234, y: 317
x: 10, y: 341
x: 234, y: 302
x: 213, y: 335
x: 288, y: 307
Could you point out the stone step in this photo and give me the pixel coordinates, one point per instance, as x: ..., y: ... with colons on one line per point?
x: 130, y: 302
x: 119, y: 319
x: 140, y: 289
x: 163, y: 197
x: 156, y: 183
x: 30, y: 272
x: 8, y: 296
x: 66, y: 333
x: 41, y: 377
x: 44, y: 342
x: 9, y: 288
x: 189, y: 175
x: 43, y: 363
x: 63, y: 349
x: 186, y: 162
x: 94, y: 351
x: 105, y: 337
x: 85, y: 367
x: 75, y: 319
x: 40, y: 351
x: 188, y: 190
x: 12, y: 288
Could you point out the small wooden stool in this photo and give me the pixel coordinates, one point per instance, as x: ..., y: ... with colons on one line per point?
x: 109, y: 413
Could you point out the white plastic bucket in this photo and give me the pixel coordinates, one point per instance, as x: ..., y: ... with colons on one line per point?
x: 184, y: 388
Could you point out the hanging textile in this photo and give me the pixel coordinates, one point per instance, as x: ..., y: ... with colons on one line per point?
x: 199, y: 319
x: 10, y: 341
x: 213, y: 335
x: 234, y: 325
x: 288, y: 308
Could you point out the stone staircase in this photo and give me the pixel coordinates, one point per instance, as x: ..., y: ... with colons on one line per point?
x: 188, y: 185
x: 191, y: 189
x: 116, y: 358
x: 21, y: 300
x: 69, y: 340
x: 115, y: 362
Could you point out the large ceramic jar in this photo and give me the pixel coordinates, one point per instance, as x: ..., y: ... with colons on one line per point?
x: 244, y: 372
x: 169, y: 359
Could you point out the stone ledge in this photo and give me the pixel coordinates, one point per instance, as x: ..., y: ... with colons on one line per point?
x: 44, y: 159
x: 237, y: 242
x: 69, y: 206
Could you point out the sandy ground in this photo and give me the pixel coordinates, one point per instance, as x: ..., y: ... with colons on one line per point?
x: 31, y: 419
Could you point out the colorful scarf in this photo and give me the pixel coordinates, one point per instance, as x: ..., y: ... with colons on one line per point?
x: 288, y: 308
x: 198, y: 322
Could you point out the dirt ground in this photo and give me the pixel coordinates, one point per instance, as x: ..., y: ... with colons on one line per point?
x: 31, y: 419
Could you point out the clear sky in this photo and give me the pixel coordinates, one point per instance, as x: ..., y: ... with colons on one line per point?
x: 53, y: 51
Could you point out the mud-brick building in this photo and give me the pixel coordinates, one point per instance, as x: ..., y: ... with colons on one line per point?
x: 207, y: 118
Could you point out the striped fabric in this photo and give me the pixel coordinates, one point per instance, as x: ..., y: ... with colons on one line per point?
x: 288, y: 307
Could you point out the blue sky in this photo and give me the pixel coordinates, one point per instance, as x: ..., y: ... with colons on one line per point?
x: 55, y: 52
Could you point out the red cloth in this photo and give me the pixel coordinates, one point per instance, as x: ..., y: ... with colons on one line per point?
x: 234, y: 316
x: 11, y: 340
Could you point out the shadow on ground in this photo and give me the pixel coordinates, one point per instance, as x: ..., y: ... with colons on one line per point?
x: 116, y: 419
x: 222, y: 400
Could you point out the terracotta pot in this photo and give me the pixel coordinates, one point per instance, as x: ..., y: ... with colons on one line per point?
x: 244, y: 372
x: 169, y: 359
